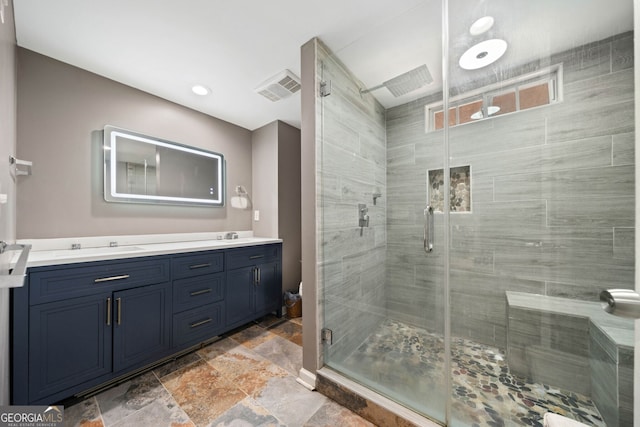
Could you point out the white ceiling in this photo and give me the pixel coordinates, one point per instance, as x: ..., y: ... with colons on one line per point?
x: 231, y: 46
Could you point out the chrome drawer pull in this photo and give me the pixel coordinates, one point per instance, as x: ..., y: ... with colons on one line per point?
x: 256, y: 256
x: 109, y: 279
x: 193, y: 267
x: 119, y: 303
x: 200, y: 292
x: 200, y: 323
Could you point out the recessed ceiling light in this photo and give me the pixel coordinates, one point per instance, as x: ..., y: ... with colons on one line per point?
x: 483, y: 54
x: 481, y: 25
x: 200, y: 90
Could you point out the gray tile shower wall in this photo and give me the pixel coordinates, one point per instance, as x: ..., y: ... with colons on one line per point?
x: 552, y: 199
x: 352, y: 168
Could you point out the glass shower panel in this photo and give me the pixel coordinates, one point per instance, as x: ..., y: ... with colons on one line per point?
x: 382, y: 292
x: 546, y: 166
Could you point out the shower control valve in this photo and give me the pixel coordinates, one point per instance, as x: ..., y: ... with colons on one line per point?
x: 363, y: 215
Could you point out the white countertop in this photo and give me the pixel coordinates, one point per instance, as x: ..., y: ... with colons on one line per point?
x: 58, y: 251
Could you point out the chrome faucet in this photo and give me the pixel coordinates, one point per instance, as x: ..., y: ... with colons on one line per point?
x: 231, y: 235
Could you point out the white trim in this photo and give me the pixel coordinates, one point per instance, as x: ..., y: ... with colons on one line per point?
x: 307, y: 379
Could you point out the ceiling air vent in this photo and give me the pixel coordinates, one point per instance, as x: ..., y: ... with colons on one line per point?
x: 280, y: 86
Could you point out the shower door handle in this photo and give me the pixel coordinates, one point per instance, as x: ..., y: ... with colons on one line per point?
x: 428, y: 229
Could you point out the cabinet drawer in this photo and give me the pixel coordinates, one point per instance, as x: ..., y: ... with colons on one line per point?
x: 196, y: 291
x: 73, y: 281
x: 244, y: 257
x: 197, y: 264
x: 198, y: 324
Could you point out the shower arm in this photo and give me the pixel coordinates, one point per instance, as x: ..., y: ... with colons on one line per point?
x: 371, y: 89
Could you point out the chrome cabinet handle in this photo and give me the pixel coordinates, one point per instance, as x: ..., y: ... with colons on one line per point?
x: 428, y: 229
x: 119, y: 308
x: 258, y: 270
x: 200, y: 292
x: 109, y: 311
x: 256, y: 256
x: 109, y: 279
x: 192, y: 267
x: 200, y: 323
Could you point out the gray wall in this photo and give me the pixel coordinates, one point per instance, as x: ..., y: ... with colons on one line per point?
x: 552, y: 198
x: 60, y: 108
x: 264, y: 142
x: 7, y: 184
x: 276, y: 186
x: 289, y: 199
x: 351, y: 165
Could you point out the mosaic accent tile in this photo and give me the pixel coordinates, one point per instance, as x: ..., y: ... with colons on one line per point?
x: 485, y: 392
x: 459, y: 190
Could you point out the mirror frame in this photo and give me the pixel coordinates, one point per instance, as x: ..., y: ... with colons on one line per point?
x: 110, y: 161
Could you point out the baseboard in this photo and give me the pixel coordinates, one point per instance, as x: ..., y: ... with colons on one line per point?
x: 307, y: 379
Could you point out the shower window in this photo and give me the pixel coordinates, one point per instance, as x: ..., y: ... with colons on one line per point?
x: 522, y: 93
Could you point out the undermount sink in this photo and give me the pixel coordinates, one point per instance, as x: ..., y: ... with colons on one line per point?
x: 73, y: 253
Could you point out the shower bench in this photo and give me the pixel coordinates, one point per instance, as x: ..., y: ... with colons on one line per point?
x: 573, y: 345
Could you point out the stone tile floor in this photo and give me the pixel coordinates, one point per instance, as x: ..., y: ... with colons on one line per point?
x: 248, y: 378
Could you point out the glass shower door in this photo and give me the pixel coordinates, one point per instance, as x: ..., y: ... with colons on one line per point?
x: 382, y: 293
x: 541, y: 219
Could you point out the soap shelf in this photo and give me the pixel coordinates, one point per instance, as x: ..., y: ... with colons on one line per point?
x: 17, y: 162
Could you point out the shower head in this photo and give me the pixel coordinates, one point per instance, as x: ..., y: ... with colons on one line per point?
x: 406, y: 82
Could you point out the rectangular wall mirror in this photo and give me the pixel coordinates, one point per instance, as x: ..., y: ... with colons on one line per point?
x: 143, y: 169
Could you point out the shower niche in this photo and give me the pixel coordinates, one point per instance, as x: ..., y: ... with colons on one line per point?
x: 459, y: 189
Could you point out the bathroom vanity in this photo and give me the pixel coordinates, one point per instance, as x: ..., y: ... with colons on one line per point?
x: 86, y: 319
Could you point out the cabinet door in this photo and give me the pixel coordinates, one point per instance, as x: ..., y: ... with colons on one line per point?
x: 267, y: 289
x: 239, y: 300
x: 69, y: 343
x: 142, y: 328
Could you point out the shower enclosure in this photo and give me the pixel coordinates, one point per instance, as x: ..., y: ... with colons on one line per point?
x: 470, y: 211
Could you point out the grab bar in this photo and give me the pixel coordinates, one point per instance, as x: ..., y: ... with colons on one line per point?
x: 428, y: 229
x: 15, y: 277
x: 621, y: 302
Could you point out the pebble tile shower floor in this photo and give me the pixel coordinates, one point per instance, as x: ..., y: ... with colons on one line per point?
x: 410, y: 361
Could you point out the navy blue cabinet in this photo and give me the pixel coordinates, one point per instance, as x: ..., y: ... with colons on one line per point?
x: 141, y: 325
x: 76, y: 327
x: 254, y: 283
x: 69, y: 343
